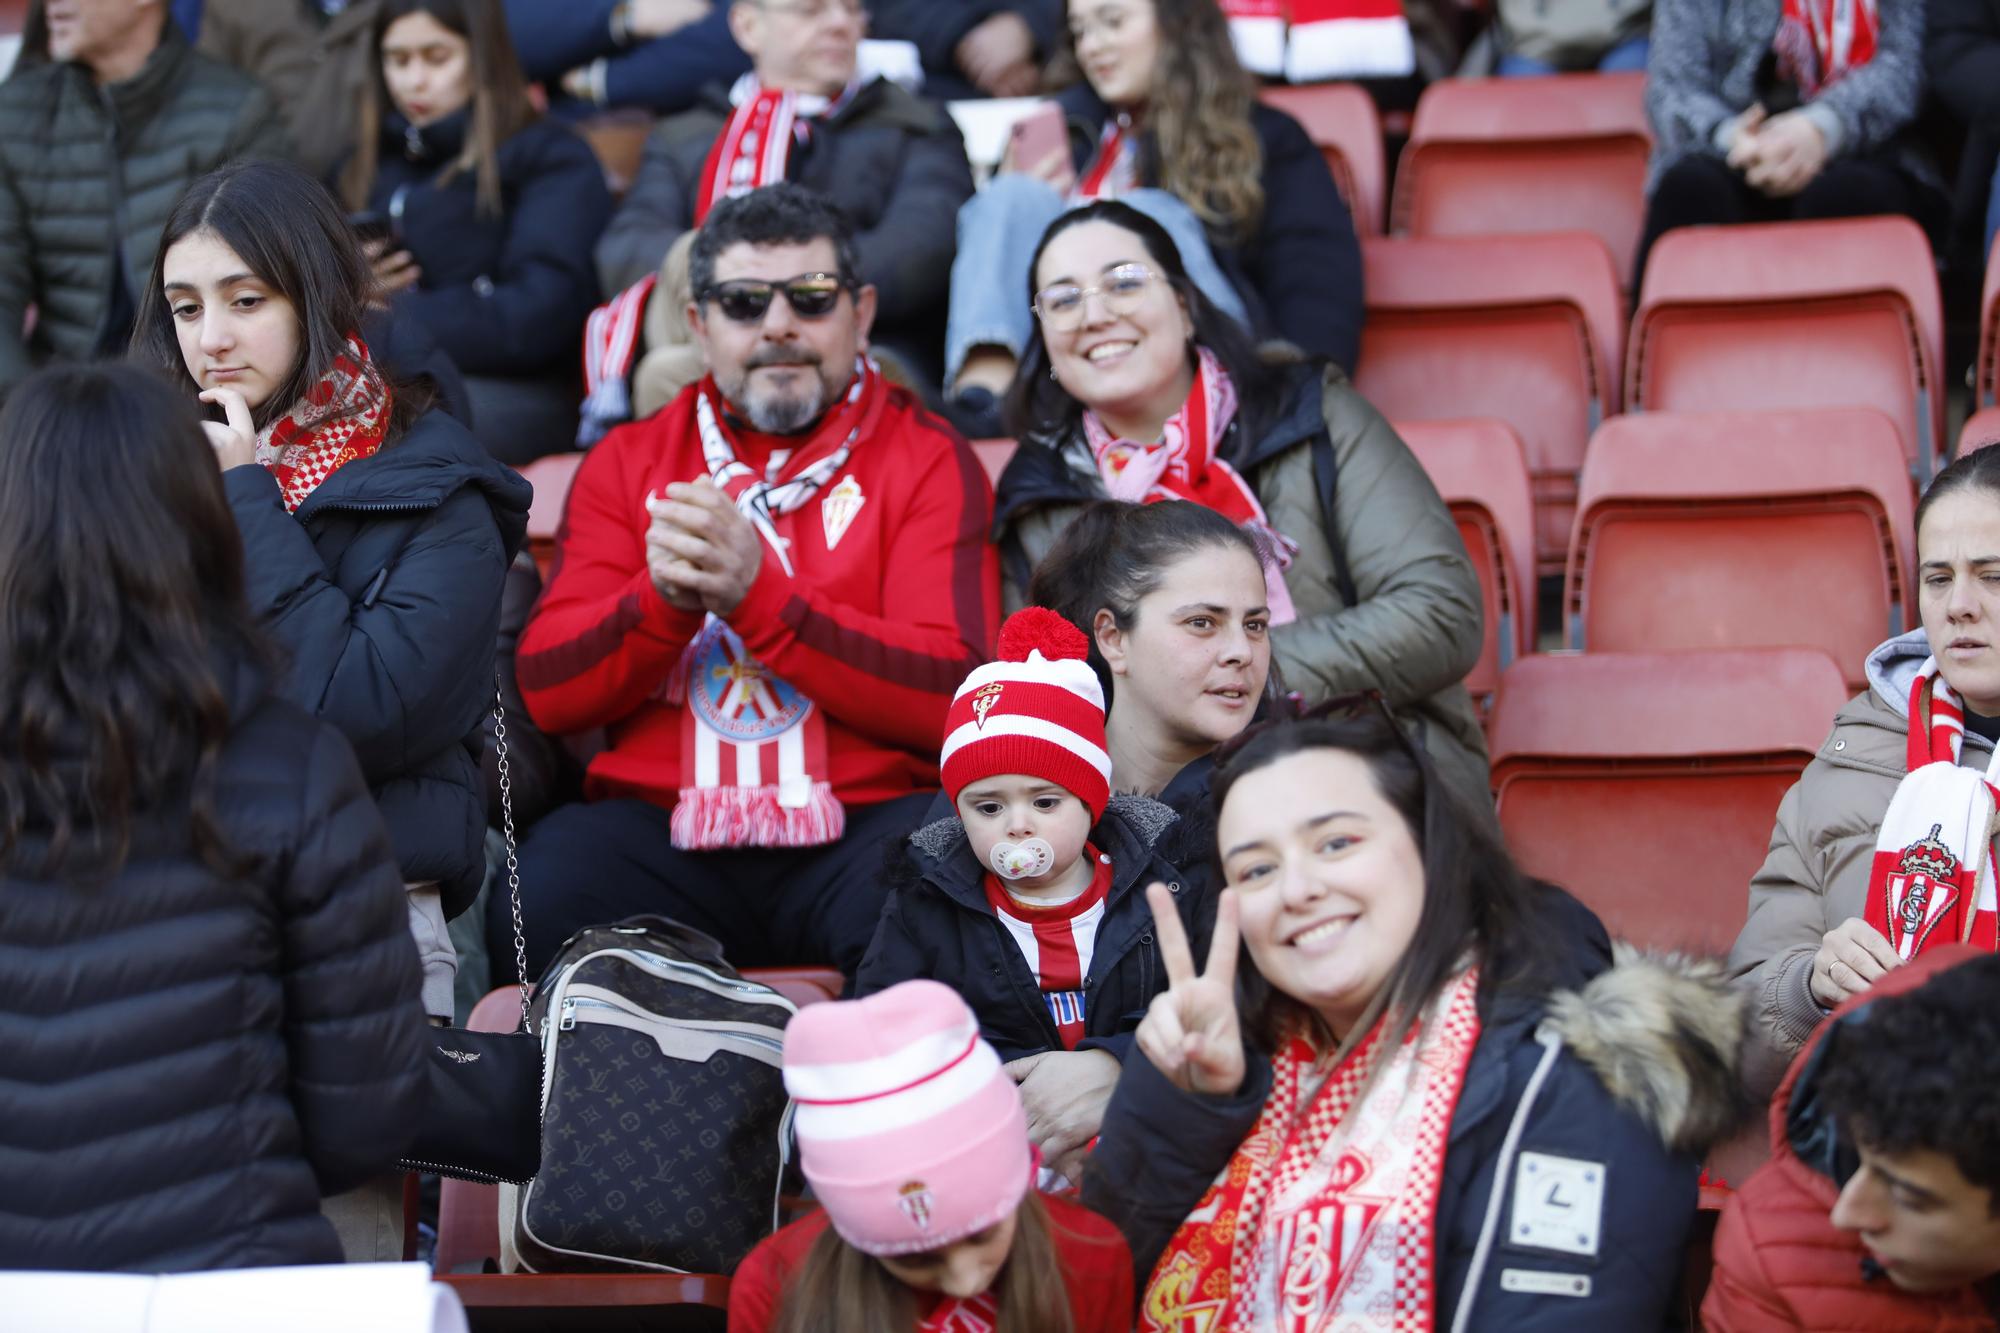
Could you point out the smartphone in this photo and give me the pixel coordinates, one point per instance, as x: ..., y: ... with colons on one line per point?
x: 371, y: 226
x: 1036, y: 135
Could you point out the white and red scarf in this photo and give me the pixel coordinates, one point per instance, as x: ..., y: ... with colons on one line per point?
x: 344, y: 416
x: 754, y: 767
x: 1185, y: 463
x: 1820, y: 41
x: 610, y: 346
x: 1311, y: 41
x: 1115, y: 168
x: 1326, y: 1217
x: 1058, y: 940
x: 1932, y: 879
x: 756, y: 143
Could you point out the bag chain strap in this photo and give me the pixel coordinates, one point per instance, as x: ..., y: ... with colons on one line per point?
x: 513, y: 865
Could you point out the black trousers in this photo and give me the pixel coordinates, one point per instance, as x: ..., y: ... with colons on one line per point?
x: 596, y: 862
x: 1702, y: 189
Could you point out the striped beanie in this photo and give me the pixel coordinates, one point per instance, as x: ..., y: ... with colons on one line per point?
x: 1038, y: 710
x: 910, y: 1132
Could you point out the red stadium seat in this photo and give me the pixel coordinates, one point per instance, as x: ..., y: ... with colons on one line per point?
x: 993, y: 456
x: 1343, y: 123
x: 1646, y: 784
x: 1526, y: 329
x: 551, y: 478
x: 1988, y: 364
x: 1490, y: 157
x: 1743, y: 530
x: 1842, y: 313
x: 1980, y: 429
x: 1481, y: 470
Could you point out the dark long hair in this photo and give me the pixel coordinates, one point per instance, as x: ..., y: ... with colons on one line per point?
x: 1036, y: 402
x: 1114, y: 553
x: 1976, y: 471
x: 284, y: 225
x: 838, y: 1288
x: 1475, y: 898
x: 500, y: 104
x: 121, y: 604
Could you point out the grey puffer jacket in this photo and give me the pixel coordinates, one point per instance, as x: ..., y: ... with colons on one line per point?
x: 88, y: 176
x: 1816, y: 873
x: 1702, y: 69
x: 1386, y: 598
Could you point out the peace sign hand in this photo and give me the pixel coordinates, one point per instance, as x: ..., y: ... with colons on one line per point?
x: 1191, y: 1032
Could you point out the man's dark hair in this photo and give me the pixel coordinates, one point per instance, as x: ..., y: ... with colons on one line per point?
x: 783, y: 214
x: 1917, y: 1071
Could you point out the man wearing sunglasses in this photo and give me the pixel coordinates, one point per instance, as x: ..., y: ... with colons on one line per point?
x: 766, y: 594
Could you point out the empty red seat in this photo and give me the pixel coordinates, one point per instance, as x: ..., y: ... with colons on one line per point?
x: 1498, y: 156
x: 1526, y: 329
x: 1842, y: 313
x: 993, y: 456
x: 1481, y: 470
x: 1980, y: 429
x: 551, y: 478
x: 1343, y: 123
x: 1646, y: 784
x: 1743, y: 530
x: 1988, y: 364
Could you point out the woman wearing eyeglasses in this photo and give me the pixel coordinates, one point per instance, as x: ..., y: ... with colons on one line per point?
x: 487, y: 215
x: 1159, y: 114
x: 1430, y: 1100
x: 1134, y: 386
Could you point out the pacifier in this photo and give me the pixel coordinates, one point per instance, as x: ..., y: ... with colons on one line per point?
x: 1022, y: 860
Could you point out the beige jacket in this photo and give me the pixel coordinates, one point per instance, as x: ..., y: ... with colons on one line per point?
x: 1816, y: 874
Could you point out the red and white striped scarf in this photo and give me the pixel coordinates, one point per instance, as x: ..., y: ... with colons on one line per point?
x: 1326, y: 1217
x: 1058, y: 941
x: 754, y: 770
x: 1932, y: 879
x: 1818, y: 42
x: 756, y: 143
x: 1185, y: 463
x: 1311, y: 41
x: 1115, y: 168
x: 610, y: 346
x: 343, y: 417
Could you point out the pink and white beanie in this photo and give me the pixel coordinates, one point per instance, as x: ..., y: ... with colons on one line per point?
x: 910, y: 1132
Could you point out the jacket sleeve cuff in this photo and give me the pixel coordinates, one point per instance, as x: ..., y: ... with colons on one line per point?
x: 663, y: 620
x: 755, y: 618
x: 1723, y: 136
x: 1831, y: 127
x: 1165, y: 1118
x: 1118, y: 1046
x: 1794, y: 1012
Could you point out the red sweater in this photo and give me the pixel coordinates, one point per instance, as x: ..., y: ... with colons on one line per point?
x: 1097, y: 1271
x: 878, y: 628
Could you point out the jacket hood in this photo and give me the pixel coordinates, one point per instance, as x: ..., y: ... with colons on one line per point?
x: 1663, y: 1033
x: 1893, y: 668
x: 436, y: 458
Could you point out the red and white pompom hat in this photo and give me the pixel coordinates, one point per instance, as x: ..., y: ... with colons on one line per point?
x: 1038, y: 710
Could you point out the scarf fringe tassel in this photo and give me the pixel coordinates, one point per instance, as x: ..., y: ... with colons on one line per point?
x: 708, y: 819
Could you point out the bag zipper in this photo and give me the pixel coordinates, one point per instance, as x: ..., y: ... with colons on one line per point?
x: 733, y: 1031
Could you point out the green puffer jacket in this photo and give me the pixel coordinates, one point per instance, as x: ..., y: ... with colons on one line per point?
x: 86, y: 171
x: 1386, y: 598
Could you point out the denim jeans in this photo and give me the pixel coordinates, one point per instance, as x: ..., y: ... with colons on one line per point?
x: 1992, y: 212
x: 1628, y: 55
x: 998, y: 229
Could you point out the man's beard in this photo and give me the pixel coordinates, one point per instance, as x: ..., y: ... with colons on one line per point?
x: 781, y: 411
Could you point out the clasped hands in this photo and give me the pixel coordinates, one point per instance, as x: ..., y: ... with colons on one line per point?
x: 701, y: 552
x: 1778, y: 155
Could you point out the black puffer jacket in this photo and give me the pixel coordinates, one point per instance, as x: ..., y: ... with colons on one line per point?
x: 84, y: 168
x: 938, y: 924
x: 191, y: 1061
x: 384, y: 589
x: 503, y: 295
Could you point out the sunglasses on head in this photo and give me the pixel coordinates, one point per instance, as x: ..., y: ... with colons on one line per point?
x: 810, y: 295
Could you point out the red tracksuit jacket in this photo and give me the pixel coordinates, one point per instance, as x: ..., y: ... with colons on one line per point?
x: 877, y: 627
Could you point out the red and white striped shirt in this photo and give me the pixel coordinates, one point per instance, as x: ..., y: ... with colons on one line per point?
x: 1058, y: 942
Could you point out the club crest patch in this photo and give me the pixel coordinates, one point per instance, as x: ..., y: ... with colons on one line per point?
x: 735, y: 694
x: 837, y: 510
x: 1920, y: 891
x: 914, y: 1198
x: 983, y: 701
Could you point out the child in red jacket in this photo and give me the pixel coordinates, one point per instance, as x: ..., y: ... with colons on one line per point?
x: 914, y: 1140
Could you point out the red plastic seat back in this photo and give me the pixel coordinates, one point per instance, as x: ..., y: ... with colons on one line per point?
x: 1980, y: 429
x: 1344, y: 125
x: 551, y: 478
x: 1481, y: 471
x: 993, y: 455
x: 1525, y: 329
x: 1646, y: 784
x: 1842, y: 313
x: 1739, y: 530
x: 1988, y: 363
x: 1505, y: 156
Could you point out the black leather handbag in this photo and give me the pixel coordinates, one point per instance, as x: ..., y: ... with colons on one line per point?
x: 483, y: 1115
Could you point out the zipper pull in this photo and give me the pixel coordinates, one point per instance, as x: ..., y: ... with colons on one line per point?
x: 568, y: 1015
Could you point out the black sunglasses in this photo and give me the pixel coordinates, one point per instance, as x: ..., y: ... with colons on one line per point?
x: 811, y: 296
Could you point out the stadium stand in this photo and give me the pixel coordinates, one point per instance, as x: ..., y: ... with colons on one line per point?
x: 1493, y: 157
x: 1795, y: 314
x: 1743, y: 530
x: 1343, y: 124
x: 1646, y: 783
x: 1526, y: 329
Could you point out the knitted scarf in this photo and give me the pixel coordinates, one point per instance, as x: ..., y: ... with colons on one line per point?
x: 755, y: 146
x: 1325, y: 1219
x: 1820, y: 41
x: 1310, y: 41
x: 1185, y: 463
x: 1932, y: 879
x: 344, y: 416
x: 1115, y: 169
x: 753, y: 749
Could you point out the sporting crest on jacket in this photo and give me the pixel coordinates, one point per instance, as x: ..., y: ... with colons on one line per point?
x: 837, y: 510
x: 1921, y: 891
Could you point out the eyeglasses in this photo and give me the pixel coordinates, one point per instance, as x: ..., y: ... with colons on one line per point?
x: 1123, y: 288
x: 812, y: 11
x: 810, y: 295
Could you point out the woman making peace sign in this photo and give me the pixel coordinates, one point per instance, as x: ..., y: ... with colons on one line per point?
x: 1422, y: 1096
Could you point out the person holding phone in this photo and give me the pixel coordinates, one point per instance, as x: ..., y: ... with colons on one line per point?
x: 1163, y: 118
